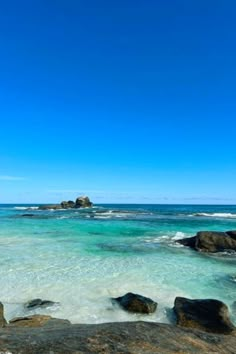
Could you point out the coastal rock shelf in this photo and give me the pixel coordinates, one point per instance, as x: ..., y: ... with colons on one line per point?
x: 80, y: 202
x: 211, y: 241
x: 113, y: 338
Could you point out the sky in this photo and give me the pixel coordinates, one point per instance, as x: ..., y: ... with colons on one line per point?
x: 129, y: 101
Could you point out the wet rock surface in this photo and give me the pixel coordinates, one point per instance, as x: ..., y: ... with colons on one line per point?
x: 207, y: 315
x: 3, y: 322
x: 136, y: 303
x: 37, y: 303
x: 37, y: 321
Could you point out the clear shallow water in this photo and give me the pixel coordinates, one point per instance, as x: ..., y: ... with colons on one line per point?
x: 82, y: 258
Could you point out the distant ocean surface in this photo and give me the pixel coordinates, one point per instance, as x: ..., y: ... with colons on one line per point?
x: 81, y: 258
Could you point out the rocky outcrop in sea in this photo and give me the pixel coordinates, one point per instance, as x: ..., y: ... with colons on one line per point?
x: 80, y: 202
x: 211, y: 241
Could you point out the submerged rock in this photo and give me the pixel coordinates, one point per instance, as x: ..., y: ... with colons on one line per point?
x: 3, y: 322
x: 35, y: 303
x: 37, y: 321
x: 136, y: 303
x: 207, y: 315
x: 211, y: 241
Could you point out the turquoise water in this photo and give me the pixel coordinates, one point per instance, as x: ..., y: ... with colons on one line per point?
x: 82, y: 258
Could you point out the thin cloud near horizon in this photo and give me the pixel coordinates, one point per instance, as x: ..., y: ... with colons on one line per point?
x: 11, y: 178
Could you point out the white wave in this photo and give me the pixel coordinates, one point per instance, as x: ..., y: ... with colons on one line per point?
x: 179, y: 235
x: 168, y: 238
x: 216, y: 215
x: 20, y: 208
x: 26, y: 208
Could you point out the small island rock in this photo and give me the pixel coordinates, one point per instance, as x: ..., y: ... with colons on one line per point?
x: 81, y: 202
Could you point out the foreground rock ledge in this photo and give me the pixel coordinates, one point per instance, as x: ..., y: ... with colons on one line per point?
x: 113, y: 338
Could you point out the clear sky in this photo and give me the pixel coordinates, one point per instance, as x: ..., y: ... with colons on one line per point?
x: 124, y: 100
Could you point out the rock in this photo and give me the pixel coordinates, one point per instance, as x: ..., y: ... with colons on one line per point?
x: 3, y: 322
x: 208, y: 315
x: 32, y: 304
x: 37, y: 321
x: 50, y: 207
x: 211, y: 241
x: 113, y: 338
x: 83, y: 202
x: 136, y: 303
x: 232, y: 234
x: 189, y: 241
x: 68, y: 205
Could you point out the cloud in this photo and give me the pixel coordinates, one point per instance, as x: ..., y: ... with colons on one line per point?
x: 11, y: 178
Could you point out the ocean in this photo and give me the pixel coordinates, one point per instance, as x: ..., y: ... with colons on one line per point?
x: 81, y: 258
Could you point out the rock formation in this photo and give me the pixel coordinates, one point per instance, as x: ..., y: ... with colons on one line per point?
x: 81, y: 202
x: 208, y: 315
x: 211, y: 241
x: 136, y: 303
x: 113, y: 338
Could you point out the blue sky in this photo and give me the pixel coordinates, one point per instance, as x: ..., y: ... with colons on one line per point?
x: 126, y: 101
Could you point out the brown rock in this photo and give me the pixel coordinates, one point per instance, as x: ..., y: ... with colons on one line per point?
x: 3, y: 322
x: 37, y: 321
x: 136, y: 303
x: 114, y: 338
x: 207, y: 315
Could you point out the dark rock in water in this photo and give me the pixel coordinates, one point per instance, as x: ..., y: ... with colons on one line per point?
x: 113, y: 338
x: 3, y: 322
x: 211, y: 241
x: 37, y: 321
x: 232, y: 234
x: 136, y: 303
x: 68, y: 205
x: 83, y: 202
x: 27, y: 215
x: 208, y: 315
x: 189, y: 241
x: 39, y: 303
x: 50, y: 207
